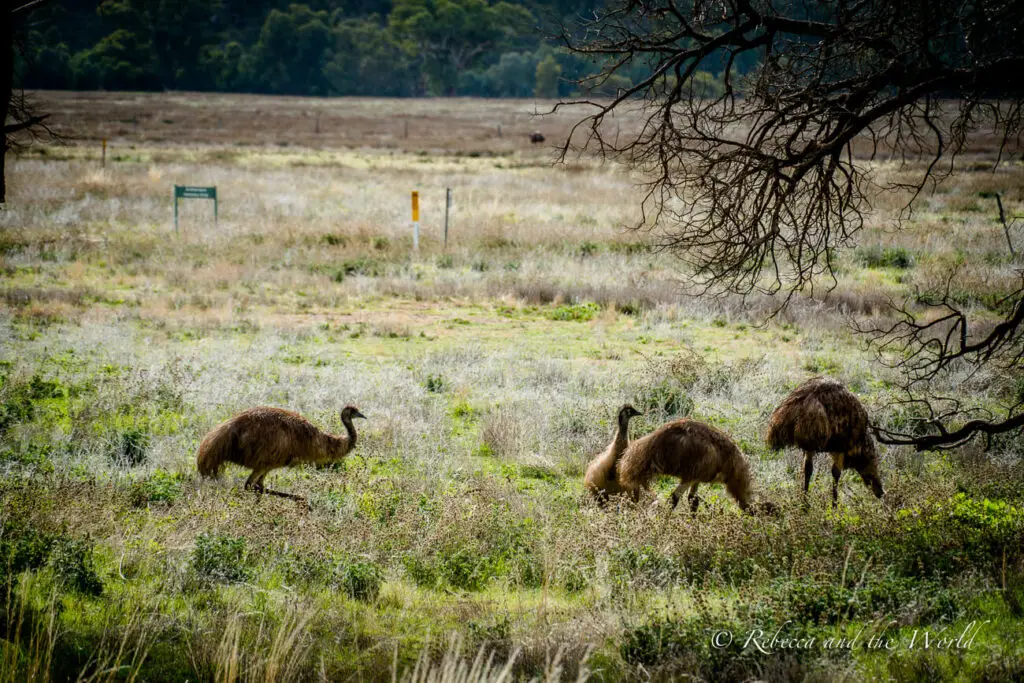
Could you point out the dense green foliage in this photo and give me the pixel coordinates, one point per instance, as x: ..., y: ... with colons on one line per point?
x: 399, y: 48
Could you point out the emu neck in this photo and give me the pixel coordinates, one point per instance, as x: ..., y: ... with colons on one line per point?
x: 616, y: 448
x: 351, y: 430
x: 621, y: 440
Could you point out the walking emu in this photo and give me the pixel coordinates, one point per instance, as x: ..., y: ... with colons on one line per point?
x: 695, y: 452
x: 601, y: 479
x: 264, y: 439
x: 822, y: 416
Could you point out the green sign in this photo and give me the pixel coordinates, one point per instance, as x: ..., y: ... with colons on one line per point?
x: 194, y: 192
x: 190, y: 192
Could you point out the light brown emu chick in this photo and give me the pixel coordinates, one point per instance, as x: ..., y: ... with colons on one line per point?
x: 264, y: 439
x: 601, y: 479
x: 696, y: 453
x: 822, y: 416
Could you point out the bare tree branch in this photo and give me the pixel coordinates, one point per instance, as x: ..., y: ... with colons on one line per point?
x: 755, y: 186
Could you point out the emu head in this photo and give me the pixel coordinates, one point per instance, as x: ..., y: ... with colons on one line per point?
x: 349, y: 412
x: 625, y: 413
x: 869, y: 473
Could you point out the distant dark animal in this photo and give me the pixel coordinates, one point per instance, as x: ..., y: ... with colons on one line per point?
x: 264, y: 439
x: 601, y: 479
x: 696, y: 453
x: 536, y: 137
x: 822, y: 416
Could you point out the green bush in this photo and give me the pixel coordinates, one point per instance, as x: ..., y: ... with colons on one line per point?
x: 131, y: 448
x: 958, y: 534
x: 159, y: 487
x: 659, y: 641
x: 72, y: 563
x: 667, y: 397
x: 22, y: 548
x: 434, y: 384
x: 422, y: 572
x: 575, y: 312
x: 360, y: 580
x: 464, y: 569
x: 220, y: 559
x: 303, y: 568
x: 492, y: 633
x: 17, y: 406
x: 875, y: 256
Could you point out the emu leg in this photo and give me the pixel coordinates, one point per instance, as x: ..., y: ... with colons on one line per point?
x: 693, y: 497
x: 257, y: 486
x: 255, y: 481
x: 836, y: 473
x: 677, y: 493
x: 808, y: 470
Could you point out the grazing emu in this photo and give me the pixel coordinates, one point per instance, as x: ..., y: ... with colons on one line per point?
x: 695, y: 452
x: 264, y: 439
x: 822, y: 416
x: 536, y: 136
x: 601, y: 480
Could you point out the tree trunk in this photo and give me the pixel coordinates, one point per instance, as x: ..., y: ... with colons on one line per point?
x: 6, y: 85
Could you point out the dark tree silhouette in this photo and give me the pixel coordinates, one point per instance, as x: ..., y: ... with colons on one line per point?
x: 754, y: 184
x: 16, y: 113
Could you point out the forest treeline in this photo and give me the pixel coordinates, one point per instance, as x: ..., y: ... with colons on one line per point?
x: 348, y: 47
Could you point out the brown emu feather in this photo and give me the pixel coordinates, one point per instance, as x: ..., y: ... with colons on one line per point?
x: 823, y: 416
x: 264, y: 439
x: 696, y: 453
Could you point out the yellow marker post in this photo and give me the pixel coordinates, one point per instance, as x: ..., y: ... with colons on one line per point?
x: 416, y: 221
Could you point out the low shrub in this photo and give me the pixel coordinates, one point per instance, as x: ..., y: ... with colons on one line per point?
x: 435, y: 384
x: 360, y: 580
x: 131, y: 448
x: 667, y: 396
x: 876, y: 256
x: 72, y: 563
x: 220, y: 559
x: 159, y: 487
x: 575, y: 312
x: 22, y: 548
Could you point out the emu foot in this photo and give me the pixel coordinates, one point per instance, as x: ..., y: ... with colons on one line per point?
x: 694, y: 504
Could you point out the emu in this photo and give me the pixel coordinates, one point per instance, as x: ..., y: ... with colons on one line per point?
x: 823, y: 416
x: 536, y: 137
x: 264, y: 439
x: 696, y: 453
x: 601, y: 479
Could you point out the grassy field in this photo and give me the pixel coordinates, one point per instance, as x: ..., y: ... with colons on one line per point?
x: 455, y: 541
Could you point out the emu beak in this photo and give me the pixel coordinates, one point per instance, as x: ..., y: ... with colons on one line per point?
x: 358, y: 414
